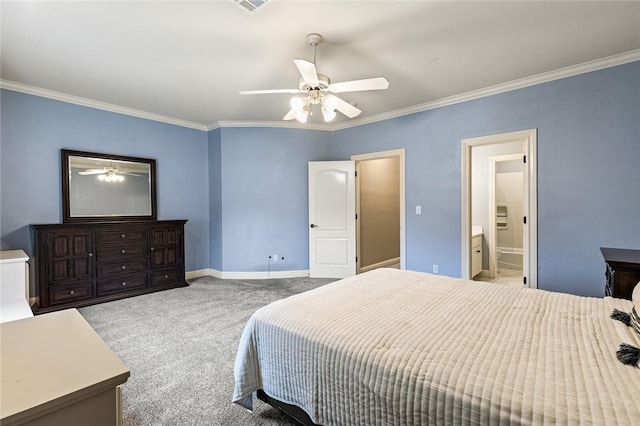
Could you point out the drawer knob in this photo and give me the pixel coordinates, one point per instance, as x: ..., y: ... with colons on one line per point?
x: 166, y: 276
x: 72, y: 292
x: 124, y: 283
x: 122, y: 236
x: 124, y: 267
x: 90, y: 254
x: 152, y: 248
x: 123, y: 251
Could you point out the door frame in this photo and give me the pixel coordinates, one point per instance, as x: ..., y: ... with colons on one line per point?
x: 530, y: 209
x: 493, y: 235
x: 400, y: 153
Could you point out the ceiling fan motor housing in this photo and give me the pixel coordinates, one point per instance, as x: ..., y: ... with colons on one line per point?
x: 323, y: 84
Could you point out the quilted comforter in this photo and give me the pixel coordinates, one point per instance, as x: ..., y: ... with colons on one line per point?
x: 393, y: 347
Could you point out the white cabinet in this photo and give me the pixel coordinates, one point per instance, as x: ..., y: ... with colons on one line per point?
x: 57, y: 371
x: 476, y: 255
x: 14, y: 286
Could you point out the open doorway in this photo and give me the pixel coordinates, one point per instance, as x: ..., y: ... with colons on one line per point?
x: 380, y: 210
x: 505, y: 214
x: 506, y: 227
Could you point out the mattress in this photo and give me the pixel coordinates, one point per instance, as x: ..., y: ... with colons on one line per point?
x: 393, y: 347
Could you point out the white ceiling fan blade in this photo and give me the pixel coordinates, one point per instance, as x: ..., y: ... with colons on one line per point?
x: 92, y: 172
x: 346, y: 108
x: 308, y: 71
x: 290, y: 115
x: 128, y: 174
x: 264, y: 92
x: 378, y: 83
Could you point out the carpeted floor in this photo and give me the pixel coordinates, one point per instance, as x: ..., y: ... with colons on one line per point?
x: 180, y: 346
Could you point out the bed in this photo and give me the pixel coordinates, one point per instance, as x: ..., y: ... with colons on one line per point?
x: 392, y: 347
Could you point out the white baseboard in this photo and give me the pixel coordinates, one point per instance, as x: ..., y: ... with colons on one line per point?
x: 189, y: 275
x: 261, y: 275
x: 382, y: 264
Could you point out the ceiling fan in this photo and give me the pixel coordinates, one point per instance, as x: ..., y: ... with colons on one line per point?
x: 108, y: 174
x: 318, y: 90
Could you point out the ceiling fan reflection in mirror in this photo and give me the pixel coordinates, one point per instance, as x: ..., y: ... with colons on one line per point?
x: 108, y: 174
x: 317, y: 89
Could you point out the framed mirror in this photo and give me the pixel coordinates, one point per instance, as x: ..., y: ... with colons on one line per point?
x: 103, y: 187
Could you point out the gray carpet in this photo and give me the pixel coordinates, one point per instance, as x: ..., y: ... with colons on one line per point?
x: 180, y: 346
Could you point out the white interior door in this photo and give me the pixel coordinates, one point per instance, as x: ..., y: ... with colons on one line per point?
x: 332, y: 219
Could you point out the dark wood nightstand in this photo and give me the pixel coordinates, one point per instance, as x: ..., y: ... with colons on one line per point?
x: 622, y: 271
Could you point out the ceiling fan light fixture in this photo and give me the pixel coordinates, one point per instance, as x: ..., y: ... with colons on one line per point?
x: 315, y: 89
x: 302, y: 115
x: 328, y: 114
x: 111, y: 177
x: 297, y: 103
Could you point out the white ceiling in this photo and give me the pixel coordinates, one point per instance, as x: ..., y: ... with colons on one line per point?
x: 188, y: 60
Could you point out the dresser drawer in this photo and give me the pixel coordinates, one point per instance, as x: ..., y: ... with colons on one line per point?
x: 69, y: 293
x: 122, y: 283
x: 122, y: 267
x: 108, y: 252
x: 121, y: 236
x: 166, y: 276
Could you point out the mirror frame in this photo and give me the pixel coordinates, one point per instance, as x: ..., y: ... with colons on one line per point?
x: 66, y: 205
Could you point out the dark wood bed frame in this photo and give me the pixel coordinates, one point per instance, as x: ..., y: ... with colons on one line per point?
x: 293, y: 411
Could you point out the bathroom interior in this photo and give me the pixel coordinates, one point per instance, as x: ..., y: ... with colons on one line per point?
x: 497, y: 207
x: 508, y: 216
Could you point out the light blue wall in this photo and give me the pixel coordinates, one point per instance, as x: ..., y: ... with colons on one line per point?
x: 215, y: 199
x: 34, y: 129
x: 588, y: 171
x: 264, y: 196
x: 244, y: 190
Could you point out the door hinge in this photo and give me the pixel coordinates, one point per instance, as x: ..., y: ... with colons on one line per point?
x: 524, y: 159
x: 524, y: 219
x: 356, y: 216
x: 524, y: 280
x: 356, y: 259
x: 356, y: 172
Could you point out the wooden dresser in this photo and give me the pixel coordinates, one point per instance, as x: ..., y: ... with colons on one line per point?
x: 622, y: 271
x: 80, y: 264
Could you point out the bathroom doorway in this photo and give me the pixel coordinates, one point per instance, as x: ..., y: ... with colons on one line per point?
x: 506, y: 206
x: 484, y: 159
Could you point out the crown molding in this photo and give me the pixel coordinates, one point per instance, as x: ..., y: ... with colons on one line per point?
x: 63, y: 97
x: 279, y: 124
x: 598, y: 64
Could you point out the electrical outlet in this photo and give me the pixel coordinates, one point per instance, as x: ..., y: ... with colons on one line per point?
x: 435, y: 269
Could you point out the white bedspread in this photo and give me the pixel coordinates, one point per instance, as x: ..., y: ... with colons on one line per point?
x: 394, y: 347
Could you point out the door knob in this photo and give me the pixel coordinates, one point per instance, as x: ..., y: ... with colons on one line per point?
x: 314, y: 226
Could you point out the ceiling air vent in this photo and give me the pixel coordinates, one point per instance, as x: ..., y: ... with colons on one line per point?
x: 251, y: 6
